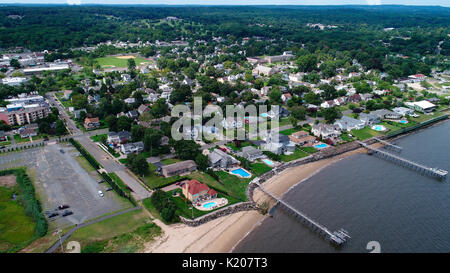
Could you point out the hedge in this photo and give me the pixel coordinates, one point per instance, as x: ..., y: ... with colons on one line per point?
x: 32, y: 206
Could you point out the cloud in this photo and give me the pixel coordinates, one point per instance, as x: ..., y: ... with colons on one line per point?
x: 373, y: 2
x: 74, y: 2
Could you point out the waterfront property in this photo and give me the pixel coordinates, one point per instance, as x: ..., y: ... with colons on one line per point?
x: 222, y: 160
x: 197, y: 192
x: 251, y: 153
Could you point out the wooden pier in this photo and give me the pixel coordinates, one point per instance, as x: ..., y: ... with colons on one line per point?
x: 337, y: 237
x: 388, y: 145
x: 433, y: 172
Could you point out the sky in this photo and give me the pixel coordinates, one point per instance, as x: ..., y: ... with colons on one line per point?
x: 242, y: 2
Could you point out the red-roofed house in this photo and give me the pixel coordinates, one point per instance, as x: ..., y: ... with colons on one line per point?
x: 197, y: 192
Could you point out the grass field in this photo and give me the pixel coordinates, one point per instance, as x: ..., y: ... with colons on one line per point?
x: 288, y: 132
x: 364, y: 133
x: 125, y: 233
x: 259, y: 168
x: 169, y: 161
x: 296, y: 155
x: 113, y: 61
x: 98, y: 138
x: 84, y: 164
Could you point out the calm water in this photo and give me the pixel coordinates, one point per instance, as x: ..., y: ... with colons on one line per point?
x: 373, y: 199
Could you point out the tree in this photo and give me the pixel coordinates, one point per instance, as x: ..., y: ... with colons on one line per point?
x: 79, y: 101
x: 299, y: 112
x: 60, y: 128
x: 124, y: 123
x: 307, y: 63
x: 186, y: 149
x: 137, y: 163
x: 111, y: 121
x: 159, y: 108
x: 131, y: 64
x: 152, y: 140
x: 275, y: 95
x: 202, y: 161
x: 14, y: 63
x: 331, y: 114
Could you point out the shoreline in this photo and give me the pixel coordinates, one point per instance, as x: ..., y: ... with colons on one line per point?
x: 224, y: 234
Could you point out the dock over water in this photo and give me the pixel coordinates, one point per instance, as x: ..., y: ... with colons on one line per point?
x: 337, y: 237
x: 433, y: 172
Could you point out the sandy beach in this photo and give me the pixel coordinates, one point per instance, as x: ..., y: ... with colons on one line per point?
x: 222, y: 234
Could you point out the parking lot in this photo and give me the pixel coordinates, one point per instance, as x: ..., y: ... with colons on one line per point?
x: 59, y: 179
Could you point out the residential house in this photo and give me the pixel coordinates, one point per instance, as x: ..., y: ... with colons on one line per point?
x: 277, y: 143
x: 135, y: 147
x: 28, y: 132
x: 385, y: 114
x: 91, y: 123
x: 347, y: 123
x: 196, y: 192
x: 326, y: 131
x: 251, y: 153
x: 302, y: 138
x: 116, y: 138
x: 220, y: 159
x: 285, y: 97
x: 133, y: 114
x: 143, y: 109
x: 179, y: 168
x: 369, y: 119
x: 403, y: 111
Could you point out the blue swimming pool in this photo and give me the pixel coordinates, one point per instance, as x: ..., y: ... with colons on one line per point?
x: 379, y: 128
x: 320, y: 146
x: 209, y: 205
x: 403, y: 121
x: 264, y: 115
x: 241, y: 172
x: 268, y: 162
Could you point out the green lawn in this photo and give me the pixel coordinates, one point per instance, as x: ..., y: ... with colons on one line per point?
x: 235, y: 186
x: 4, y: 143
x: 122, y: 234
x: 119, y: 182
x: 233, y: 146
x: 259, y: 168
x: 84, y: 164
x: 169, y: 161
x: 16, y: 228
x: 289, y: 131
x: 296, y: 155
x: 112, y: 61
x: 309, y: 150
x: 364, y: 133
x: 18, y: 139
x: 98, y: 138
x: 65, y: 103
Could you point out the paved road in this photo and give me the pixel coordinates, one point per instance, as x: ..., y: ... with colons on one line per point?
x: 51, y: 97
x: 67, y: 235
x: 111, y: 165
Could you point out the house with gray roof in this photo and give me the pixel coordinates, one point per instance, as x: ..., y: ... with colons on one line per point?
x: 369, y: 119
x: 129, y: 148
x: 251, y: 153
x: 277, y: 143
x: 220, y: 159
x: 179, y: 168
x: 347, y: 123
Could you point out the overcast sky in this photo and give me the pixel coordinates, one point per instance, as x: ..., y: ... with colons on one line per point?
x: 241, y: 2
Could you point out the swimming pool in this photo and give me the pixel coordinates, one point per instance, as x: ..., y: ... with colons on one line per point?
x: 320, y: 146
x: 379, y: 128
x: 241, y: 172
x: 268, y: 162
x: 264, y: 115
x: 403, y: 121
x: 209, y: 205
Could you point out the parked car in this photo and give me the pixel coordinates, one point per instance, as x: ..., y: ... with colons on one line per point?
x: 61, y: 151
x: 101, y: 181
x: 61, y: 207
x: 67, y: 213
x: 54, y: 214
x: 100, y: 193
x: 109, y: 189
